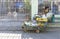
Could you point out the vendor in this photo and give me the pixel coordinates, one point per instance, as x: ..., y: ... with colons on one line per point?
x: 47, y: 14
x: 27, y: 21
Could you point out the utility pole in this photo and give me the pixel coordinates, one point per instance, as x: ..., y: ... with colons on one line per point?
x: 34, y: 8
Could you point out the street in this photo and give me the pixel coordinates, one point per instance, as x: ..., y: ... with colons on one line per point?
x: 26, y: 35
x: 12, y: 23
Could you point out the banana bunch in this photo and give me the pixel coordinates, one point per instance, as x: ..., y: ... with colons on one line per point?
x: 42, y: 19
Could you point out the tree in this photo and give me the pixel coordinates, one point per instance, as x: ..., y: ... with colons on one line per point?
x: 27, y: 5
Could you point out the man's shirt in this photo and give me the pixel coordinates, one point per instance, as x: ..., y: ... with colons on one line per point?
x: 48, y: 15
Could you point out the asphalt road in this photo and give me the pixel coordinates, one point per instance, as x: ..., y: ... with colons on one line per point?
x: 46, y: 35
x: 23, y: 35
x: 9, y: 22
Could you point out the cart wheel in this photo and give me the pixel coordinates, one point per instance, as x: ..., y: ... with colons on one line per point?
x: 25, y: 30
x: 37, y: 31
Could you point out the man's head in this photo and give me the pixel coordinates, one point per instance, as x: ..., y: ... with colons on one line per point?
x: 28, y: 17
x: 46, y: 9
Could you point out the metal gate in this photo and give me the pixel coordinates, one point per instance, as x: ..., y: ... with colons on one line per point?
x: 13, y: 13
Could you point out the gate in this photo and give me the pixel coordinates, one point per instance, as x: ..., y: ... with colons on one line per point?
x: 13, y: 13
